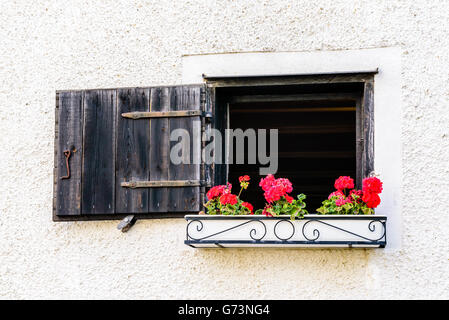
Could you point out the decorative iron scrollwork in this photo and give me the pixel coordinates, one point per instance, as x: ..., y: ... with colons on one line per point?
x: 276, y: 234
x: 316, y: 232
x: 252, y: 233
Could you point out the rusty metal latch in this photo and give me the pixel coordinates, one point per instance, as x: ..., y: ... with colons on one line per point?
x: 67, y: 154
x: 165, y: 114
x: 162, y: 184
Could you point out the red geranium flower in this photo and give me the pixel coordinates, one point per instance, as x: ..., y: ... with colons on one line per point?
x: 356, y: 192
x: 244, y: 181
x: 371, y: 199
x: 348, y: 200
x: 288, y: 198
x: 372, y: 185
x: 249, y: 206
x: 228, y: 199
x: 218, y: 191
x: 337, y: 193
x: 340, y: 201
x: 285, y: 184
x: 215, y: 192
x: 344, y: 182
x: 273, y: 194
x: 275, y: 188
x: 265, y: 211
x: 266, y: 183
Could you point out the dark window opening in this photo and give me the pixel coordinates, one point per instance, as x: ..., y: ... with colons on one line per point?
x: 317, y: 134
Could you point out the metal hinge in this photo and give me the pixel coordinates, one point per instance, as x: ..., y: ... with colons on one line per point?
x: 361, y: 141
x: 203, y: 102
x: 203, y: 98
x: 205, y: 179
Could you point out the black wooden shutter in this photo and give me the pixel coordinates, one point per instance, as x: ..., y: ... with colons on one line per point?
x: 119, y: 143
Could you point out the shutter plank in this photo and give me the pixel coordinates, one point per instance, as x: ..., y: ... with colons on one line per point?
x: 98, y: 176
x: 68, y: 194
x: 185, y: 199
x: 160, y: 100
x: 133, y: 158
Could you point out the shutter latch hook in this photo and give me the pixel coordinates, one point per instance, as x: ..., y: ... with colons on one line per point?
x: 67, y: 154
x: 127, y: 223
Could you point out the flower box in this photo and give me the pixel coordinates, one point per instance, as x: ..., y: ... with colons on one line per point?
x: 223, y: 231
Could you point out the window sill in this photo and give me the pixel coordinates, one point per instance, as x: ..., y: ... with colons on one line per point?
x: 313, y: 231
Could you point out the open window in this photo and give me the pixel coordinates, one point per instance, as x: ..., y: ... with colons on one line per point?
x: 325, y: 129
x: 324, y: 122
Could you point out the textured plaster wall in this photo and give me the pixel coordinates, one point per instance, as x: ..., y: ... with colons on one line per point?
x: 49, y: 45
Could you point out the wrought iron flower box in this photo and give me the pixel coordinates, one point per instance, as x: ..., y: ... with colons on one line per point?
x: 313, y: 230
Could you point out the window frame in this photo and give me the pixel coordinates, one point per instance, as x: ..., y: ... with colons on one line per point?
x: 364, y: 109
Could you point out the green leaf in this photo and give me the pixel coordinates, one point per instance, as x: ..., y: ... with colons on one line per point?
x: 301, y: 196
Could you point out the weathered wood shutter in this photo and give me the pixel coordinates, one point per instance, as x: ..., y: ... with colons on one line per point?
x: 119, y: 143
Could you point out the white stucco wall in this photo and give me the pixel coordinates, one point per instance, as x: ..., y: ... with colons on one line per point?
x: 49, y: 45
